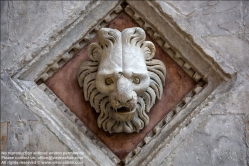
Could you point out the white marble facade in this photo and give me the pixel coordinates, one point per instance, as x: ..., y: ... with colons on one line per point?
x: 217, y: 135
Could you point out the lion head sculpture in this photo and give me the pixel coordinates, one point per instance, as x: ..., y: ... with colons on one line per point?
x: 121, y: 80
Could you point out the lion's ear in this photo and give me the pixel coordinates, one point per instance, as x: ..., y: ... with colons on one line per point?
x: 94, y: 51
x: 148, y: 49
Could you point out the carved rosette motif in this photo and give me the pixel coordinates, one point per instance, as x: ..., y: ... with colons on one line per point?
x: 121, y: 80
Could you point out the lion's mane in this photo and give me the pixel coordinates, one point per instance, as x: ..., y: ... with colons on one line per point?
x: 100, y: 102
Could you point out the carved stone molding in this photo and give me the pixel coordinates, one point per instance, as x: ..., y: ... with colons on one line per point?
x: 64, y: 84
x: 211, y: 75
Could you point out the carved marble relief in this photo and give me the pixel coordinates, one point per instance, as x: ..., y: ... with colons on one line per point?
x: 121, y: 80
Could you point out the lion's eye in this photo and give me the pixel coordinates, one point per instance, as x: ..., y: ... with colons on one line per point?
x: 136, y: 80
x: 108, y: 81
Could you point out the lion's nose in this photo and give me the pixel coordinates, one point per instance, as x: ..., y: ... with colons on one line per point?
x: 117, y: 100
x: 123, y: 95
x: 124, y: 89
x: 123, y: 100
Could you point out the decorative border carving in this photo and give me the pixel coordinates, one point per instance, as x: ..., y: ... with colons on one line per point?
x: 163, y: 123
x: 54, y: 65
x: 151, y: 135
x: 176, y: 56
x: 81, y: 126
x: 164, y: 44
x: 208, y: 74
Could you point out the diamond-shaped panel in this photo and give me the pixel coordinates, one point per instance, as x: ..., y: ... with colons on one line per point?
x: 64, y: 85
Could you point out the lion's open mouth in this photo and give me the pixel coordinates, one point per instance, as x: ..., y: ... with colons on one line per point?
x: 123, y: 110
x: 124, y: 113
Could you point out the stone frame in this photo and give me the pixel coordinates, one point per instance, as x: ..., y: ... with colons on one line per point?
x: 168, y: 31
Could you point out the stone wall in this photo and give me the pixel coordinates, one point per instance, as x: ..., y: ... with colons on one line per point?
x: 222, y: 137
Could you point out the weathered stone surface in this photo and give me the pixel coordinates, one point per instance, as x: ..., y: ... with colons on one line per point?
x: 26, y: 26
x: 4, y: 136
x: 236, y: 101
x: 213, y: 143
x: 223, y: 26
x: 32, y: 136
x: 246, y: 118
x: 212, y: 18
x: 235, y: 50
x: 20, y: 129
x: 12, y: 108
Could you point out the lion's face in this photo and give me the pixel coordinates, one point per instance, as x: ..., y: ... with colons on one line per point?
x: 122, y: 80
